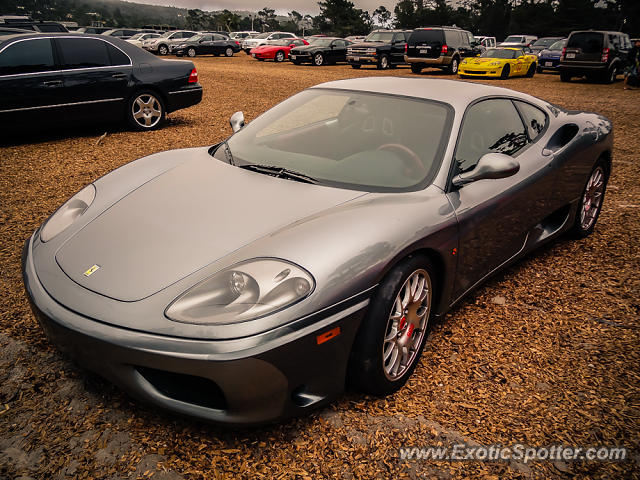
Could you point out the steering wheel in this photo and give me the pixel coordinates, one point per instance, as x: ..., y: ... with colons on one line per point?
x: 412, y: 162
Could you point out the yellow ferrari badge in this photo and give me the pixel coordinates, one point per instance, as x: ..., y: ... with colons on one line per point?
x: 92, y: 270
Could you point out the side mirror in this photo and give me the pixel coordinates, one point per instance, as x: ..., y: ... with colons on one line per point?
x: 490, y: 165
x: 236, y: 121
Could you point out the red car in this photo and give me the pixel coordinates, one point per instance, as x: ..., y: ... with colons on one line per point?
x: 277, y: 50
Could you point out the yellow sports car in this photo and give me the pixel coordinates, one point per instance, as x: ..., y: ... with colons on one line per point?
x: 499, y: 62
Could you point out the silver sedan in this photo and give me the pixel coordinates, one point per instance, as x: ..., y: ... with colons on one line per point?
x: 253, y: 279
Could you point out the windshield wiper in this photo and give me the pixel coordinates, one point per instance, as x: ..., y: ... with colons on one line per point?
x: 279, y: 172
x: 227, y: 153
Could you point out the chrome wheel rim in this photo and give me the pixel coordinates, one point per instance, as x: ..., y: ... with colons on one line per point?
x: 318, y: 59
x: 454, y: 66
x: 191, y: 52
x: 163, y: 50
x: 280, y: 56
x: 592, y: 199
x: 407, y: 324
x: 228, y: 52
x: 146, y: 110
x: 384, y: 63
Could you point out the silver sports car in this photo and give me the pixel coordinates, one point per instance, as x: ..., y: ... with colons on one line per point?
x: 254, y: 279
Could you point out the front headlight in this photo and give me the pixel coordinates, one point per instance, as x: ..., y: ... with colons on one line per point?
x: 494, y: 63
x: 349, y: 50
x: 68, y: 213
x: 371, y: 50
x: 242, y: 292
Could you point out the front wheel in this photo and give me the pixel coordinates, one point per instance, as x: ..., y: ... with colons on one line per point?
x: 392, y: 335
x: 355, y: 66
x: 453, y: 68
x: 318, y: 60
x: 279, y: 56
x: 383, y: 63
x: 565, y: 77
x: 145, y: 111
x: 416, y: 68
x: 590, y: 202
x: 539, y: 70
x: 163, y: 50
x: 228, y: 52
x: 505, y: 72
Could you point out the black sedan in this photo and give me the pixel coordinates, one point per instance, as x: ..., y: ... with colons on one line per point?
x: 323, y: 51
x: 207, y: 43
x: 49, y: 79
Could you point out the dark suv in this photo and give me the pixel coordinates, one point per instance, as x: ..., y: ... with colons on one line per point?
x: 440, y: 47
x: 598, y: 55
x: 35, y: 26
x: 382, y: 48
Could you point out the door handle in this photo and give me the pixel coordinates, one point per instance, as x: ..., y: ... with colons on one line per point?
x: 119, y: 75
x: 52, y: 83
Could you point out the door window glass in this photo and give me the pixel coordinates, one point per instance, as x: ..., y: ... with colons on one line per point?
x: 489, y: 126
x: 83, y: 53
x: 29, y: 56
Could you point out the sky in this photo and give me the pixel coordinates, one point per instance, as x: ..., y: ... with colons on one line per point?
x: 281, y: 6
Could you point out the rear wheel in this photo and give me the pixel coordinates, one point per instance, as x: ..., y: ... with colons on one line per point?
x: 228, y: 52
x: 191, y: 52
x: 611, y: 74
x: 532, y: 70
x: 295, y: 62
x: 539, y: 70
x: 279, y: 56
x: 393, y: 332
x: 453, y: 68
x: 590, y: 202
x: 355, y: 66
x: 416, y: 68
x: 505, y: 72
x: 565, y: 77
x: 318, y: 59
x: 145, y: 110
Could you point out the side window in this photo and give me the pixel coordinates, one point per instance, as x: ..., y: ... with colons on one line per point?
x: 83, y: 53
x: 29, y: 56
x: 489, y: 126
x: 187, y: 34
x: 534, y: 119
x: 450, y: 38
x: 116, y: 56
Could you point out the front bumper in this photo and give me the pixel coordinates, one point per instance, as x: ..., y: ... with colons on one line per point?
x: 362, y: 59
x: 489, y: 71
x: 297, y: 57
x: 284, y: 375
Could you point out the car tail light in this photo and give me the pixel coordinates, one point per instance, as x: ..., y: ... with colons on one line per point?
x: 193, y: 76
x: 406, y: 48
x: 605, y: 55
x: 445, y: 49
x: 564, y: 51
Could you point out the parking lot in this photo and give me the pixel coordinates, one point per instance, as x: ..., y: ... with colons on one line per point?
x: 546, y: 353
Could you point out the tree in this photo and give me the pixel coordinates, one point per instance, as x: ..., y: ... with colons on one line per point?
x: 268, y: 18
x: 382, y: 16
x: 341, y: 18
x: 229, y: 19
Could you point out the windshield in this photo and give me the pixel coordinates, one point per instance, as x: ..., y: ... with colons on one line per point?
x: 282, y: 42
x: 138, y: 35
x: 314, y: 40
x: 166, y: 34
x: 500, y: 53
x: 559, y: 45
x: 262, y: 35
x: 195, y: 38
x: 355, y: 140
x: 323, y: 42
x: 384, y: 37
x: 545, y: 42
x: 514, y: 39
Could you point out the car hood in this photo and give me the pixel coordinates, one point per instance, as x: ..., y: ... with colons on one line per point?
x: 368, y: 44
x: 183, y: 220
x: 306, y: 48
x: 483, y: 60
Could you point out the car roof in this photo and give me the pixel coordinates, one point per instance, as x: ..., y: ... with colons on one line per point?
x: 454, y: 92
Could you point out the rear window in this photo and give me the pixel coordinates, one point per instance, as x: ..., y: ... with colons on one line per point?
x: 51, y: 28
x: 426, y: 36
x: 588, y: 42
x: 514, y: 39
x: 28, y: 56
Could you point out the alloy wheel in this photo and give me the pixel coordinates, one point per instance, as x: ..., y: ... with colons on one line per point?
x: 191, y: 52
x: 146, y: 110
x: 407, y: 325
x: 228, y: 52
x: 592, y: 198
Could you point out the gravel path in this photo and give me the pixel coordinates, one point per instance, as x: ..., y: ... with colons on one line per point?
x: 546, y: 353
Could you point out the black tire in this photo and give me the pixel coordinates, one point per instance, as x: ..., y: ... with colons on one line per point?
x: 539, y: 69
x: 367, y: 364
x: 393, y: 65
x: 579, y: 229
x: 609, y: 76
x: 383, y: 63
x: 565, y: 77
x: 318, y: 60
x: 505, y: 72
x: 416, y: 68
x: 163, y: 49
x: 532, y: 71
x: 453, y: 67
x: 296, y: 62
x: 279, y: 56
x: 228, y: 52
x: 191, y: 52
x: 153, y: 101
x: 355, y: 66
